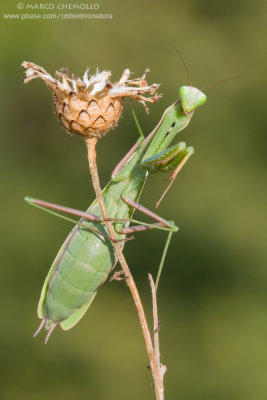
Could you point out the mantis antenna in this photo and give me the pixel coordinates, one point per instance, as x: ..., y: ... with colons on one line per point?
x: 185, y: 66
x: 222, y: 81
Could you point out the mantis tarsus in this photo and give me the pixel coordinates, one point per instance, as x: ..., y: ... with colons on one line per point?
x: 87, y: 256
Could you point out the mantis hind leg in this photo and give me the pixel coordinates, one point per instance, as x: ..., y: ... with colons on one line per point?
x: 47, y: 206
x: 161, y: 223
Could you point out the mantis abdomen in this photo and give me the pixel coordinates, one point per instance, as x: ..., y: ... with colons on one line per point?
x: 81, y: 267
x: 85, y: 258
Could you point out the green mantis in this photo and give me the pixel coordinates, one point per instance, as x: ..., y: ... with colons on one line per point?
x: 87, y: 256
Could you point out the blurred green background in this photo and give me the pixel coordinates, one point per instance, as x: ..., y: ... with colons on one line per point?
x: 213, y: 293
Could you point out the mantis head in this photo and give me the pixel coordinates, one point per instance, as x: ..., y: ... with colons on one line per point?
x: 191, y: 98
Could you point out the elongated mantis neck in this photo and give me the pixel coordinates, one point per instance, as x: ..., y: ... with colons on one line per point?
x: 156, y: 371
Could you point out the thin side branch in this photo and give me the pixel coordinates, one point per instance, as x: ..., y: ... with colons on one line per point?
x: 156, y: 373
x: 156, y: 327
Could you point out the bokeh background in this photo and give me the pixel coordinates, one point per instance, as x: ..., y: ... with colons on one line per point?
x: 213, y: 293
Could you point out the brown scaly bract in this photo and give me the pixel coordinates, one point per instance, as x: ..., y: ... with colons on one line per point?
x: 92, y: 106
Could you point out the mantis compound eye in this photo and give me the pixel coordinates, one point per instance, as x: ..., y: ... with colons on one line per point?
x: 191, y: 98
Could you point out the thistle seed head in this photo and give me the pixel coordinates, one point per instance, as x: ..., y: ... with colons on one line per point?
x: 93, y: 105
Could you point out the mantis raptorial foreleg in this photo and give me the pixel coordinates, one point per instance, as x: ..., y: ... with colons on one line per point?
x: 174, y: 157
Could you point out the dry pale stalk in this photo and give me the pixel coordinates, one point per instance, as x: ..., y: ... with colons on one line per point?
x: 90, y: 107
x: 162, y: 368
x: 156, y: 372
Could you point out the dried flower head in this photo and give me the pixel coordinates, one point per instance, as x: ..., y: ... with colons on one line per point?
x: 92, y: 106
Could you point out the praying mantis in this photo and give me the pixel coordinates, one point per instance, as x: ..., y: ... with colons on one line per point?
x: 87, y: 256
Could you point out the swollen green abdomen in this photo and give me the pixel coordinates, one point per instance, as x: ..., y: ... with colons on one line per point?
x: 85, y: 259
x: 83, y: 265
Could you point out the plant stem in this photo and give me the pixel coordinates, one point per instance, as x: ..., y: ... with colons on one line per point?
x: 162, y: 368
x: 156, y: 373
